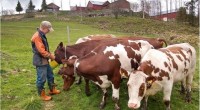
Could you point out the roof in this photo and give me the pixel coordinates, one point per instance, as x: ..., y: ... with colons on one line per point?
x: 52, y: 5
x: 163, y: 12
x: 97, y: 2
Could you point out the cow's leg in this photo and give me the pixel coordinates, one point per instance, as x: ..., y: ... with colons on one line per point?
x: 103, y: 102
x: 183, y: 86
x: 189, y: 79
x: 167, y: 94
x: 79, y: 80
x: 115, y: 97
x: 144, y: 103
x: 87, y: 89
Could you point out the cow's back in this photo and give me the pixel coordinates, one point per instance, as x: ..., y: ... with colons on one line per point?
x: 127, y: 53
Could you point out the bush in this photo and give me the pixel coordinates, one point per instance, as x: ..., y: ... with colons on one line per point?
x: 29, y: 15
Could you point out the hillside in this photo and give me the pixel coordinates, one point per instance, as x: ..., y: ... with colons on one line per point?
x: 133, y: 26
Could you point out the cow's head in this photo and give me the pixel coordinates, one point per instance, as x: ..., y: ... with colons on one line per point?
x: 137, y: 84
x: 67, y: 72
x: 59, y: 53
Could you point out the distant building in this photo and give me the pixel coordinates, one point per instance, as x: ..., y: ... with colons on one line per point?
x: 171, y: 15
x: 52, y: 7
x: 121, y: 5
x: 96, y: 5
x: 77, y: 8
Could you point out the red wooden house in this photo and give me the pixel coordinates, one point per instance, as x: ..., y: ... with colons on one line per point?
x: 96, y: 5
x: 171, y: 15
x: 121, y: 4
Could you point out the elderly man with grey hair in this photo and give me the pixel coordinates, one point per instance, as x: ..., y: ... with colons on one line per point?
x: 41, y: 55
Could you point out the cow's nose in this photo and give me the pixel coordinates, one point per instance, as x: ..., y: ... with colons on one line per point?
x: 132, y: 105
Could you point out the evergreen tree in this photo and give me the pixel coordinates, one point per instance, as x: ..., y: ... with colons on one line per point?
x: 191, y: 7
x: 181, y: 15
x: 44, y: 5
x: 19, y: 7
x: 31, y: 6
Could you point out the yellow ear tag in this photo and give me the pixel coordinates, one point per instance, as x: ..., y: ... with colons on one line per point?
x: 65, y: 65
x: 150, y: 82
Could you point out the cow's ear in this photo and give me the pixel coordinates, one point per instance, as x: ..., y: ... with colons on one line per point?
x: 61, y: 44
x: 149, y: 81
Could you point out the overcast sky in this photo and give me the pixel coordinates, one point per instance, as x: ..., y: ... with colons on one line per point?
x: 11, y: 4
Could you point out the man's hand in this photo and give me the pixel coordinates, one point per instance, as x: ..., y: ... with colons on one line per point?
x: 52, y: 57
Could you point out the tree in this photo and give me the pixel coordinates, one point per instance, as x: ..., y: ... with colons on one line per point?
x: 176, y: 5
x: 134, y: 6
x: 115, y: 9
x: 7, y: 12
x: 19, y: 7
x: 181, y: 15
x: 143, y: 8
x: 147, y: 7
x: 167, y: 9
x: 31, y: 6
x: 44, y: 5
x: 191, y: 6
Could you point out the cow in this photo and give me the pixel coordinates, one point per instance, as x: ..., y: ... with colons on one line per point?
x: 108, y: 63
x: 159, y: 70
x: 79, y: 50
x: 95, y: 37
x: 63, y: 53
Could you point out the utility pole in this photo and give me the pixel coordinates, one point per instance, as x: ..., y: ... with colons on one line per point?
x: 69, y: 3
x: 2, y: 11
x: 81, y: 11
x: 61, y: 4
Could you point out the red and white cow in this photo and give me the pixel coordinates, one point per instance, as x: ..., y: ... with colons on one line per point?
x: 110, y: 62
x: 158, y: 70
x: 95, y: 37
x: 63, y: 53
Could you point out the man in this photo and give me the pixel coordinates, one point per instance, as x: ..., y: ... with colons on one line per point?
x: 41, y: 55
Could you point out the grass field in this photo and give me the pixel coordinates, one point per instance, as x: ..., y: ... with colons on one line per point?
x: 18, y: 89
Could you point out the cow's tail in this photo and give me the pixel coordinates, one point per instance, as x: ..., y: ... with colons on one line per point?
x: 162, y: 40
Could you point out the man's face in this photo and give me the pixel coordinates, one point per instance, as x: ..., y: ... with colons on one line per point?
x: 46, y: 30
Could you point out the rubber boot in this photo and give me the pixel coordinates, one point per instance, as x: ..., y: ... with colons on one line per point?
x: 54, y: 91
x: 44, y: 96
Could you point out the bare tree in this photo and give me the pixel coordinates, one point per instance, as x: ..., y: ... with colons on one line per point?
x: 167, y: 9
x: 115, y: 9
x: 156, y: 7
x: 135, y: 6
x: 160, y: 8
x: 7, y: 12
x: 170, y: 6
x: 147, y: 7
x: 143, y: 8
x: 176, y: 5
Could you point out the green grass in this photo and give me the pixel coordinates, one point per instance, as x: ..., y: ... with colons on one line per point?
x: 18, y: 89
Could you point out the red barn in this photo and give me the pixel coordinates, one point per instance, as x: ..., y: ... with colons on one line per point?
x: 121, y: 4
x: 96, y: 5
x: 171, y: 15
